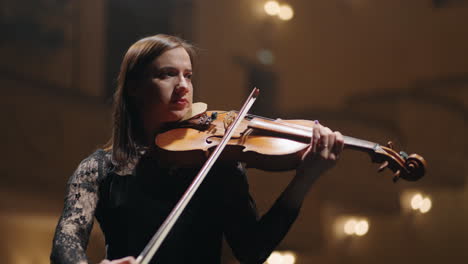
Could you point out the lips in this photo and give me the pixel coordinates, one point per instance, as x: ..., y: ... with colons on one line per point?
x: 179, y: 102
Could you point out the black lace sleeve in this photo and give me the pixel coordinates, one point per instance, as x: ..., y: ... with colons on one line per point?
x: 75, y: 224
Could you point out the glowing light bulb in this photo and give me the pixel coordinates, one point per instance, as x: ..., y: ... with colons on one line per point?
x: 426, y: 205
x: 275, y: 258
x: 350, y: 227
x: 286, y: 12
x: 289, y: 258
x: 361, y: 228
x: 272, y: 8
x: 416, y: 201
x: 281, y: 258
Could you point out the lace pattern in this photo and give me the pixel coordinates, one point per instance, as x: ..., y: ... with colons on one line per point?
x: 75, y: 224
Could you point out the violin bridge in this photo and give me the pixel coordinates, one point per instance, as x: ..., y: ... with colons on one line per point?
x: 229, y: 119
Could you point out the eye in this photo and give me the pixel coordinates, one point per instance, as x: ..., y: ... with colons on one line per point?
x: 161, y: 74
x: 188, y: 76
x: 172, y: 73
x: 165, y: 73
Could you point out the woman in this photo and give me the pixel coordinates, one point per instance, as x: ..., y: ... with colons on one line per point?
x: 130, y: 193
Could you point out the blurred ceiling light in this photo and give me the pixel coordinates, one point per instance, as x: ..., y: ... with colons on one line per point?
x: 361, y: 228
x: 275, y: 258
x: 265, y: 56
x: 278, y: 257
x: 416, y: 201
x: 285, y: 12
x: 350, y: 226
x: 289, y: 258
x: 272, y: 8
x: 420, y: 202
x: 353, y: 226
x: 425, y: 205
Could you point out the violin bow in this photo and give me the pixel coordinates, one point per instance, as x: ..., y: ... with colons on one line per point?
x: 151, y: 248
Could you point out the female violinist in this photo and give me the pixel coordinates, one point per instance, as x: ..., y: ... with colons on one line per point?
x: 131, y: 192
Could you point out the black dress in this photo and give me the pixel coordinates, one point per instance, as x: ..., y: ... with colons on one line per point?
x: 131, y: 204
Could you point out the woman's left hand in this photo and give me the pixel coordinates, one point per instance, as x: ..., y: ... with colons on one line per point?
x: 323, y: 152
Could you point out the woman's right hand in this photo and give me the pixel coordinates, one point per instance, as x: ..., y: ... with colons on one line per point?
x: 126, y: 260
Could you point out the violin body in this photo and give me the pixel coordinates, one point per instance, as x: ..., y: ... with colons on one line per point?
x: 265, y: 150
x: 267, y: 144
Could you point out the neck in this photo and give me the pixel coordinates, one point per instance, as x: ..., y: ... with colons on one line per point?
x: 303, y: 133
x: 149, y: 130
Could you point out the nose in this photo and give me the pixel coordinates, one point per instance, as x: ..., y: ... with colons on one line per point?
x: 182, y: 87
x: 183, y: 81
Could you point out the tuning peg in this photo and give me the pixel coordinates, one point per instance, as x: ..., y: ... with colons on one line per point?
x: 390, y: 144
x: 383, y: 166
x: 396, y: 176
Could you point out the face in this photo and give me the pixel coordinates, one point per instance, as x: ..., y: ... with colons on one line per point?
x: 166, y: 94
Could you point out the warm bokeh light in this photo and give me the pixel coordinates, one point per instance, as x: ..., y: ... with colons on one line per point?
x: 361, y: 228
x: 272, y: 8
x: 416, y: 201
x: 349, y: 226
x: 275, y: 257
x: 278, y: 257
x: 353, y: 226
x: 289, y: 258
x: 286, y: 12
x: 426, y: 205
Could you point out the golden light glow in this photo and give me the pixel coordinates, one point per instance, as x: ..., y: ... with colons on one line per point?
x: 289, y: 258
x: 425, y: 205
x: 350, y: 226
x: 362, y: 227
x: 421, y: 203
x: 277, y: 257
x: 354, y: 226
x: 272, y: 8
x: 285, y: 12
x: 274, y: 258
x: 416, y: 201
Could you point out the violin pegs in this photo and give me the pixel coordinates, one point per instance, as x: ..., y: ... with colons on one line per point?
x: 396, y: 176
x: 383, y: 166
x: 390, y: 144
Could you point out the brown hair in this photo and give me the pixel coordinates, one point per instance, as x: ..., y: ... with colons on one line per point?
x: 134, y: 67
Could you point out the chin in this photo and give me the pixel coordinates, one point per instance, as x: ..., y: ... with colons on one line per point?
x: 176, y: 115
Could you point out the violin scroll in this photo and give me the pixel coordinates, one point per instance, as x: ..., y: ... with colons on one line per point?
x: 409, y: 167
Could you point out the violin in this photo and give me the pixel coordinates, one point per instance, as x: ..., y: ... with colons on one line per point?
x: 268, y: 144
x: 261, y: 143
